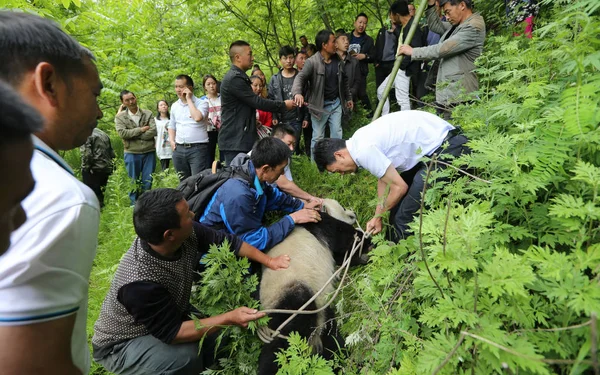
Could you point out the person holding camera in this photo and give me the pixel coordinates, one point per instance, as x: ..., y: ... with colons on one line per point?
x: 188, y: 130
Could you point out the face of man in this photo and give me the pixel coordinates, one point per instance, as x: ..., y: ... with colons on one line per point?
x: 16, y: 157
x: 78, y: 110
x: 360, y: 25
x: 343, y: 164
x: 329, y: 47
x: 287, y: 62
x: 130, y: 101
x: 289, y: 140
x: 186, y: 226
x: 303, y: 41
x: 455, y: 14
x: 300, y: 59
x: 180, y: 85
x: 245, y: 58
x: 342, y: 43
x: 411, y: 10
x: 269, y: 174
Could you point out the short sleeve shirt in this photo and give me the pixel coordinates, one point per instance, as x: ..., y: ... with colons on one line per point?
x: 186, y: 129
x: 400, y: 139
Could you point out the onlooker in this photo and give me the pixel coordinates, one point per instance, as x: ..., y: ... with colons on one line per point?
x: 304, y: 43
x: 44, y: 276
x: 411, y: 9
x: 285, y: 182
x: 351, y: 64
x: 461, y: 44
x: 238, y: 207
x: 280, y: 88
x: 163, y: 148
x: 300, y: 59
x: 145, y: 325
x: 263, y: 118
x: 329, y: 89
x: 522, y: 11
x: 386, y: 46
x: 238, y: 132
x: 17, y: 122
x: 97, y: 162
x: 210, y: 84
x: 362, y: 47
x: 400, y: 15
x: 393, y: 143
x: 306, y: 126
x: 187, y: 130
x: 311, y: 49
x: 256, y: 71
x: 137, y: 129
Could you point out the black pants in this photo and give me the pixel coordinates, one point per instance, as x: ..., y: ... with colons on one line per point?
x: 362, y: 93
x: 307, y: 134
x: 228, y: 156
x: 213, y: 136
x: 97, y: 182
x: 382, y: 71
x: 404, y: 212
x: 164, y: 164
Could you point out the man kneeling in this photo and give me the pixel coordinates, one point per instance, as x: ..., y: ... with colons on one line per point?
x: 145, y: 325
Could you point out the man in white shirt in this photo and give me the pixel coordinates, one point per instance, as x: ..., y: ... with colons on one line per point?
x: 44, y: 275
x: 17, y: 122
x: 187, y: 130
x: 391, y: 144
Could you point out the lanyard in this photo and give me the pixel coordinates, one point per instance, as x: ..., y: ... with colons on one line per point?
x: 56, y: 160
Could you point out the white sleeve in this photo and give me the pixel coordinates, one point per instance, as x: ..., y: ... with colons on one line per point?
x: 172, y: 122
x: 202, y: 105
x: 45, y: 274
x: 372, y: 159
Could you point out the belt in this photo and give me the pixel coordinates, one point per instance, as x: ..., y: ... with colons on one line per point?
x: 188, y: 145
x: 451, y: 134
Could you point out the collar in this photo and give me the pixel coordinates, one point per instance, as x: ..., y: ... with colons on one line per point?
x: 185, y: 104
x: 257, y: 184
x: 39, y: 145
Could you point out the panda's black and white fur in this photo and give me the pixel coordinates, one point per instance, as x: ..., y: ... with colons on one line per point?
x: 314, y: 250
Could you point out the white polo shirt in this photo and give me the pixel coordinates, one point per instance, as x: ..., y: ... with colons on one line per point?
x: 399, y: 138
x: 186, y: 129
x: 45, y: 273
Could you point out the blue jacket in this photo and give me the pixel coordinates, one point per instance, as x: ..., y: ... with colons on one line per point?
x: 239, y: 208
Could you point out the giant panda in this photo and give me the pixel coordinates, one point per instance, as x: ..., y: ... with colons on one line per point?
x: 314, y: 251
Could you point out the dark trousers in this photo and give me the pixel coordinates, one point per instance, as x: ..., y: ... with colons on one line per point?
x: 213, y: 136
x: 228, y: 156
x: 190, y: 159
x: 164, y: 164
x: 96, y: 180
x: 140, y: 168
x: 382, y: 71
x: 307, y: 134
x: 404, y: 212
x: 362, y: 92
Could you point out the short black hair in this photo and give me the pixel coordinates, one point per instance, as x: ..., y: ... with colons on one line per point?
x: 281, y: 130
x: 324, y: 151
x: 188, y: 80
x: 17, y: 118
x: 361, y: 14
x: 302, y: 36
x: 468, y: 3
x: 237, y: 43
x: 286, y: 50
x: 340, y: 32
x: 125, y: 92
x: 27, y: 39
x: 400, y: 7
x: 269, y: 151
x: 322, y: 38
x: 155, y: 212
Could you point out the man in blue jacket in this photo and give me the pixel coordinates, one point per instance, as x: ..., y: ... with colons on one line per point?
x: 238, y: 207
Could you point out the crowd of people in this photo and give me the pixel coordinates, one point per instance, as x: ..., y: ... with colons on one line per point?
x: 49, y: 220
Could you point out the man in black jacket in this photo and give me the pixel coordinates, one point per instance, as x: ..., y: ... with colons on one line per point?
x: 400, y: 15
x: 239, y: 104
x: 362, y: 48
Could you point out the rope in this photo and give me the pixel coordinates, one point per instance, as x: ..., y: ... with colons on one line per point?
x: 267, y: 335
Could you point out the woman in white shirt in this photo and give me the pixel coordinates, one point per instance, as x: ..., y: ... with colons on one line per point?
x: 209, y: 82
x: 163, y: 148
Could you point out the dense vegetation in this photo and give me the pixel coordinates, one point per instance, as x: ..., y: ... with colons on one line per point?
x: 503, y: 272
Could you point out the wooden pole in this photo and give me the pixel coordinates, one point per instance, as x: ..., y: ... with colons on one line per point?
x: 409, y: 37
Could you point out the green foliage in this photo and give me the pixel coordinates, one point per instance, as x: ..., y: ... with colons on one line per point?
x: 298, y: 359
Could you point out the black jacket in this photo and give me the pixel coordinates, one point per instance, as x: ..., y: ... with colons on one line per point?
x: 276, y: 93
x: 238, y: 111
x: 419, y: 40
x: 367, y: 46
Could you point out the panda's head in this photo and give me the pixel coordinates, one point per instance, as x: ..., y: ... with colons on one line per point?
x: 335, y: 210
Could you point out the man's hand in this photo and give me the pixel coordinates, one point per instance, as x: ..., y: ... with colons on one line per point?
x: 187, y: 93
x: 350, y: 105
x: 242, y: 315
x: 405, y: 49
x: 306, y: 215
x: 375, y: 225
x: 173, y: 145
x: 299, y: 99
x: 315, y: 199
x: 313, y: 203
x: 304, y: 124
x: 279, y: 263
x: 290, y: 104
x: 360, y: 56
x: 145, y: 128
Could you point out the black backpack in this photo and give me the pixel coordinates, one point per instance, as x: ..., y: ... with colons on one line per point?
x: 199, y: 189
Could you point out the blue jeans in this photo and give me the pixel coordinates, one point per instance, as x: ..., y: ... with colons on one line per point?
x: 191, y: 159
x: 140, y: 168
x: 334, y: 119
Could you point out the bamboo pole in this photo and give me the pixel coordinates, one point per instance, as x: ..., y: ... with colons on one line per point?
x: 409, y: 37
